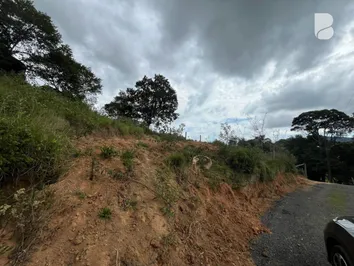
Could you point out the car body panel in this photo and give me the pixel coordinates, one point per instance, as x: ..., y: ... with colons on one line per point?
x: 341, y: 231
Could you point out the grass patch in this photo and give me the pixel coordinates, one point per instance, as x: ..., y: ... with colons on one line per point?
x: 337, y: 199
x: 105, y: 213
x: 166, y: 191
x: 167, y: 211
x: 142, y: 145
x: 169, y: 240
x: 118, y: 175
x: 108, y: 152
x: 129, y: 204
x: 80, y: 194
x: 127, y: 158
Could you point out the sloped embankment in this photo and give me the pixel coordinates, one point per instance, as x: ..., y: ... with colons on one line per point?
x: 129, y: 210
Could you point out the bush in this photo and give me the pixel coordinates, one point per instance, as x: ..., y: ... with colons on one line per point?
x: 29, y: 151
x: 265, y: 171
x: 243, y: 160
x: 108, y: 152
x: 237, y: 165
x: 176, y: 160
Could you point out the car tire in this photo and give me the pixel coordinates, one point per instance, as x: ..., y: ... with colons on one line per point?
x: 338, y: 255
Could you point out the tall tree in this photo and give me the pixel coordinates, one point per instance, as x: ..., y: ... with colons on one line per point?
x: 29, y: 41
x: 64, y: 74
x: 153, y: 101
x: 24, y: 30
x: 324, y: 126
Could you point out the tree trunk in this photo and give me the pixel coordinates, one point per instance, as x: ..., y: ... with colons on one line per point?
x: 328, y: 159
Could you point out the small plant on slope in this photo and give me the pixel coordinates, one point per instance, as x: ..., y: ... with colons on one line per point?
x: 105, y: 213
x: 108, y: 152
x: 127, y: 158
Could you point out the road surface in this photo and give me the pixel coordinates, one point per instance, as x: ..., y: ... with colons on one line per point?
x: 297, y: 222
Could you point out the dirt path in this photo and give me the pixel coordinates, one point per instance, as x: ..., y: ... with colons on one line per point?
x: 297, y: 222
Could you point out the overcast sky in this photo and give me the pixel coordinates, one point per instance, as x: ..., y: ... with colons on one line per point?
x: 227, y: 59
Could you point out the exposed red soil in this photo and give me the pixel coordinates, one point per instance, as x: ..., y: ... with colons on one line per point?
x: 208, y: 227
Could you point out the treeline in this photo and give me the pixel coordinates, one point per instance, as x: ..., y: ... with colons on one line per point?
x: 307, y: 150
x: 326, y: 147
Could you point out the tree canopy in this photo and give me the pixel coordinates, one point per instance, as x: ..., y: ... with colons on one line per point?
x: 323, y: 127
x: 29, y: 41
x: 328, y: 123
x: 153, y: 101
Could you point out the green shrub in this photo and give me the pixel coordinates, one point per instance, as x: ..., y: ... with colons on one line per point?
x: 108, y: 152
x: 265, y: 171
x: 29, y: 151
x: 127, y: 158
x: 243, y: 160
x: 190, y: 151
x: 176, y: 160
x: 105, y: 213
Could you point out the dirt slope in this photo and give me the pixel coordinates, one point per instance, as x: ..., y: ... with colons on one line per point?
x: 207, y: 228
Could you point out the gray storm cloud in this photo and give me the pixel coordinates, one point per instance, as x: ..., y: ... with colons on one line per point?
x: 200, y: 43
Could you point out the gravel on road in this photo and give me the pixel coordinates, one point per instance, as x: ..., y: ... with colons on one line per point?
x: 297, y: 222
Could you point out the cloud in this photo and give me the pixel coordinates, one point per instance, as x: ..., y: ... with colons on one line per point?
x: 226, y: 59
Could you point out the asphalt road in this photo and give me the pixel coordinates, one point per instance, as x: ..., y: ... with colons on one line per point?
x: 297, y: 222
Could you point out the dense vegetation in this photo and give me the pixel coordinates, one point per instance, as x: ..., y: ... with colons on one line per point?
x: 307, y: 150
x: 36, y: 126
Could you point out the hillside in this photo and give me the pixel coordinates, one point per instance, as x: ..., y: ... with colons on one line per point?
x: 81, y: 189
x: 200, y: 226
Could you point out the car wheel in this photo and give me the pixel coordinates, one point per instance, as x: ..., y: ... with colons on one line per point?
x: 339, y: 257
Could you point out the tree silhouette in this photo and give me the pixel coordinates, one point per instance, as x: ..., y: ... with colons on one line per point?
x: 29, y: 41
x: 153, y: 101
